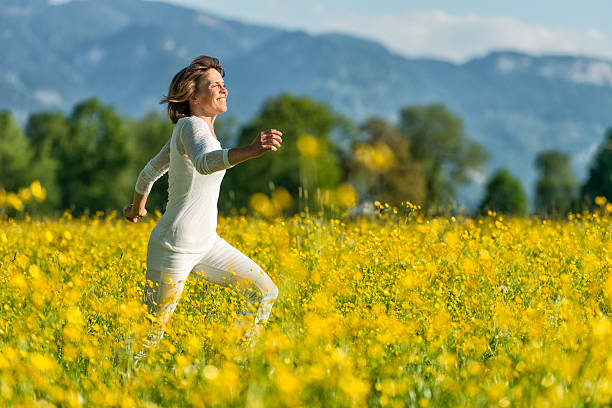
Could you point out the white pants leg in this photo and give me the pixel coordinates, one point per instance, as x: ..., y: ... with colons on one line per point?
x: 227, y: 266
x: 223, y: 264
x: 165, y: 279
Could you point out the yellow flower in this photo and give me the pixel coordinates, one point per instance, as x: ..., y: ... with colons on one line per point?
x: 42, y: 362
x: 309, y: 146
x: 378, y: 157
x: 382, y: 157
x: 510, y: 314
x: 25, y: 195
x: 496, y: 391
x: 262, y: 205
x: 210, y: 372
x: 14, y: 201
x: 282, y: 199
x: 38, y: 191
x: 347, y: 195
x: 602, y: 327
x: 286, y: 381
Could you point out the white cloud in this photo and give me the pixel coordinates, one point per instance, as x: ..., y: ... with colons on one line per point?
x: 506, y: 64
x: 182, y: 52
x: 479, y: 177
x: 58, y: 2
x: 439, y: 34
x: 95, y: 55
x: 169, y: 44
x: 584, y: 157
x: 587, y: 72
x: 460, y: 37
x: 48, y: 97
x: 598, y: 73
x: 12, y: 78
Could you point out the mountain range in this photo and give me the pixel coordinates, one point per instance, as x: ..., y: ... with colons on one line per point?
x: 56, y: 53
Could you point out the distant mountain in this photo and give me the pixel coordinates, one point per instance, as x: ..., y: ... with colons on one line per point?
x: 126, y: 52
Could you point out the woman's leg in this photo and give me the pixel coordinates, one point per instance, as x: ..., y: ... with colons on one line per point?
x: 165, y: 279
x: 228, y: 267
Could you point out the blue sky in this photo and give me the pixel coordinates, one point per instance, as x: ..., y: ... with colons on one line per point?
x: 449, y: 29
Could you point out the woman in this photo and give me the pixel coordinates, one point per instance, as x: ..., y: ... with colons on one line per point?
x: 185, y: 239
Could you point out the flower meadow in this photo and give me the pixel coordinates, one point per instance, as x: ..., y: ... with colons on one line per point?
x: 388, y: 310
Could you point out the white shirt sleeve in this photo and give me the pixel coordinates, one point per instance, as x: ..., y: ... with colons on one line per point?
x: 154, y: 169
x: 199, y: 145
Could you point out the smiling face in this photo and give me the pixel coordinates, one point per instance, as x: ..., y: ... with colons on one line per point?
x: 211, y: 95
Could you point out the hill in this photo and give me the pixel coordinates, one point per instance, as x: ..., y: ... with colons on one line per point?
x: 126, y: 51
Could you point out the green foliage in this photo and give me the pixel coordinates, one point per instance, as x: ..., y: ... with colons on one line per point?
x: 89, y: 160
x: 303, y: 122
x: 504, y: 194
x: 556, y: 185
x: 96, y: 159
x: 438, y: 141
x: 15, y: 154
x: 599, y: 182
x: 381, y: 166
x: 47, y: 132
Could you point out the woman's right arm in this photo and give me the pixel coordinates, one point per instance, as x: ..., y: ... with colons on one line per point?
x: 153, y: 170
x: 137, y: 208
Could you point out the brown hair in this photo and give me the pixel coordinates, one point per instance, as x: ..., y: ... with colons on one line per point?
x: 184, y: 85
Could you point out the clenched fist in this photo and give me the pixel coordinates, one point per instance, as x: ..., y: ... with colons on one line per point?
x: 132, y: 214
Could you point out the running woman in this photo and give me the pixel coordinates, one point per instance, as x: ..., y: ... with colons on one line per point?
x: 185, y: 238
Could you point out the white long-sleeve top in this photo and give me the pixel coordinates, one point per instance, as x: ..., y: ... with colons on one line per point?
x: 196, y: 164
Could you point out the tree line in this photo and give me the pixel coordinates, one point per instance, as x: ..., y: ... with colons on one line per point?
x: 88, y: 161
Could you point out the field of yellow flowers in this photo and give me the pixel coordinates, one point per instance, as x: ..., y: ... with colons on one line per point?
x: 391, y: 310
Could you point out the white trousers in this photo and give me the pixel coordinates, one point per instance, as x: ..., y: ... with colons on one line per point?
x: 223, y: 264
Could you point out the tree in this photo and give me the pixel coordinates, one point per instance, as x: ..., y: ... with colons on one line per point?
x: 381, y: 165
x: 307, y: 159
x: 556, y: 186
x: 96, y: 160
x: 15, y: 155
x: 504, y: 194
x: 438, y: 141
x: 599, y: 182
x: 47, y: 132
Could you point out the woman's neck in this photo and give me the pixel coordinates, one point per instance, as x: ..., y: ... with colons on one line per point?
x: 210, y: 121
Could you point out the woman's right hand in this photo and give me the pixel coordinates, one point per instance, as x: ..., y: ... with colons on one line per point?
x: 133, y: 214
x: 266, y: 140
